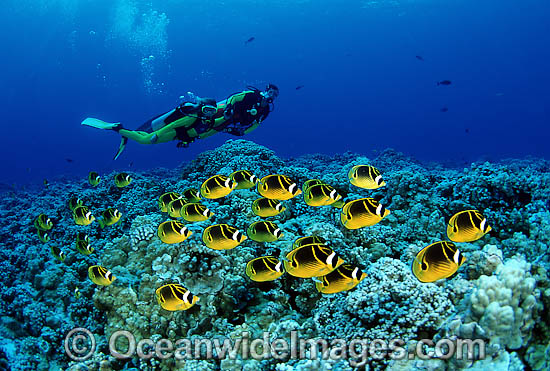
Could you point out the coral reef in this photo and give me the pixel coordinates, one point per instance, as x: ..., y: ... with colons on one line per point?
x: 504, y: 304
x: 501, y: 294
x: 389, y: 303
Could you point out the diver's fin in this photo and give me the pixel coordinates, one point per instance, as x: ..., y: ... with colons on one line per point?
x: 123, y: 142
x: 96, y: 123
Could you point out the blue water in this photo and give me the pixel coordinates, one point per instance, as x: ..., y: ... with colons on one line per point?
x: 364, y: 89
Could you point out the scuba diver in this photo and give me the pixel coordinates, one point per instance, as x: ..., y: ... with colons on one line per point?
x: 237, y: 115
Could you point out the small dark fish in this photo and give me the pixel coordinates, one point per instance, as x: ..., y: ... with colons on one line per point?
x: 444, y: 109
x: 419, y: 57
x: 131, y: 164
x: 299, y: 87
x: 45, y: 182
x: 467, y: 130
x: 69, y: 160
x: 444, y: 82
x: 249, y: 40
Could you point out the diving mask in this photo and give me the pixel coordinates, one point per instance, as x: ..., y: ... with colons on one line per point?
x: 271, y: 92
x: 268, y: 96
x: 209, y: 111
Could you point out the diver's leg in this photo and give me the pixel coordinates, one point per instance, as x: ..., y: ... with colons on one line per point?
x: 121, y: 147
x: 170, y: 132
x: 139, y: 136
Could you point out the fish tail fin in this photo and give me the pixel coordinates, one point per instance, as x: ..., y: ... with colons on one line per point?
x: 99, y: 124
x: 121, y: 147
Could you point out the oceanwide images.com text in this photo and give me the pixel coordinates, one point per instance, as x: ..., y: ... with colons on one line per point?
x: 80, y: 344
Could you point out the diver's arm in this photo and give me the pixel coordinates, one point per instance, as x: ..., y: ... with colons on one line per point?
x: 240, y: 129
x: 264, y: 114
x: 252, y: 127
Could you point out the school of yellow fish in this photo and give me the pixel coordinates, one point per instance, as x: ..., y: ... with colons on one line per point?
x: 310, y: 257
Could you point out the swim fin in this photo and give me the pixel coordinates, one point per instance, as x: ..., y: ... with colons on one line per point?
x: 123, y: 142
x: 96, y: 123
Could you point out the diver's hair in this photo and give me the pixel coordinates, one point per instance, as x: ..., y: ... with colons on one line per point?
x: 271, y: 86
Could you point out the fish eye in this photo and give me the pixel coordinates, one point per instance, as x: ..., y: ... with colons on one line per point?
x: 424, y: 266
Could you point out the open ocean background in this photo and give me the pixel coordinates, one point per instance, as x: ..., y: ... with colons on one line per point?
x: 363, y: 88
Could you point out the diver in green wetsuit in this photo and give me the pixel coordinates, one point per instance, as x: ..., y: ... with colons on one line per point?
x: 237, y: 115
